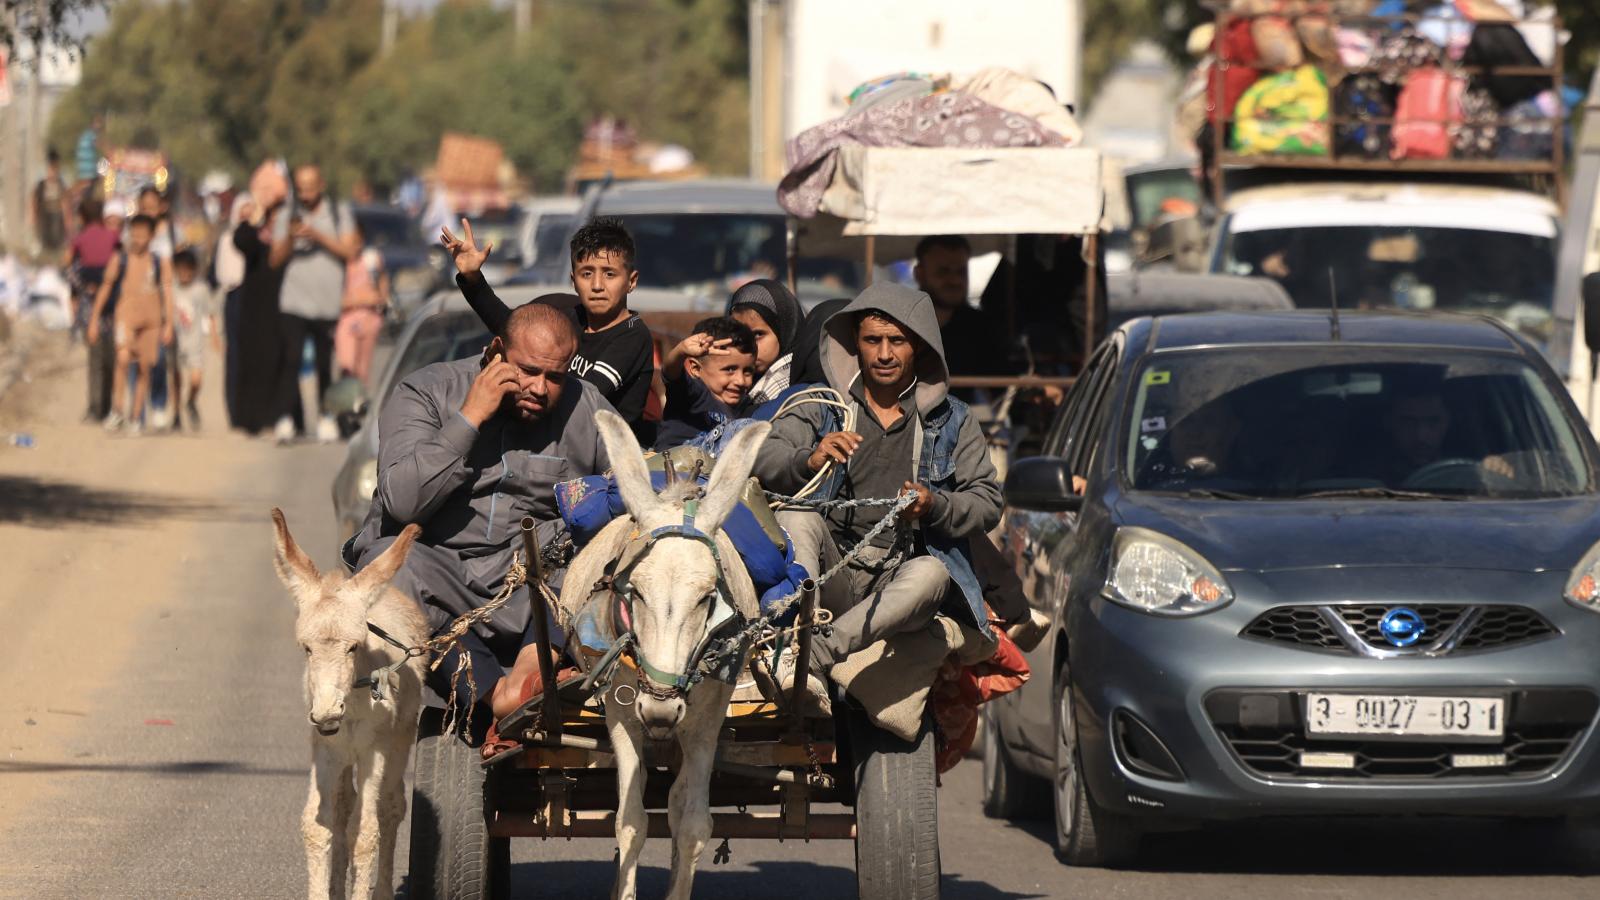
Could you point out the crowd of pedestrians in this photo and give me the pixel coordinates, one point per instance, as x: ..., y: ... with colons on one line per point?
x: 280, y: 279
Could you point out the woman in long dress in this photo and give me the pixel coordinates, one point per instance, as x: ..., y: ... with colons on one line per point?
x: 263, y: 239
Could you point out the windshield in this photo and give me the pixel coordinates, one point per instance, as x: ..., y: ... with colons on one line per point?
x: 440, y: 339
x: 550, y: 236
x: 1508, y: 275
x: 1356, y: 421
x: 691, y: 250
x: 381, y: 230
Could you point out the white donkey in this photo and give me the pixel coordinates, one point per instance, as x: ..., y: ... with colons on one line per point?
x: 673, y: 580
x: 357, y: 742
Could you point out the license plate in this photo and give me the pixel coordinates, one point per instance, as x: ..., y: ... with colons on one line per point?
x: 1390, y: 715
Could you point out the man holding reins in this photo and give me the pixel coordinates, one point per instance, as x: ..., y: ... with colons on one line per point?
x: 883, y: 354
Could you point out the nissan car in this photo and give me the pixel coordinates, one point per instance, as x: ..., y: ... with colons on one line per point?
x: 1304, y: 564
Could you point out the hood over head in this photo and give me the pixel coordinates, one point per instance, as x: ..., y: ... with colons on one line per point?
x: 773, y: 301
x: 911, y: 308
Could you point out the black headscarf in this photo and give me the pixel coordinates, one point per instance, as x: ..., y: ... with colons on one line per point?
x: 776, y: 305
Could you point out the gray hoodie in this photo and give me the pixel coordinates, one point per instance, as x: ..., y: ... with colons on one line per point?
x: 969, y: 502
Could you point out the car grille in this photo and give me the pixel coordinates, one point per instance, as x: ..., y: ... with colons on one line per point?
x: 1490, y: 627
x: 1277, y: 753
x: 1266, y: 732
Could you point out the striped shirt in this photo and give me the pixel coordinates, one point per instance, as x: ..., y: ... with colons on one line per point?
x: 619, y: 361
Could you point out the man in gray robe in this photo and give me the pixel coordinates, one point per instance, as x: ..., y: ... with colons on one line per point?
x: 466, y: 450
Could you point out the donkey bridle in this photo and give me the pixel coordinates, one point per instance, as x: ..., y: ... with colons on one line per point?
x: 660, y: 683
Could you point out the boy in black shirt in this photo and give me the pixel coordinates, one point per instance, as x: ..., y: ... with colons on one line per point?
x: 708, y: 377
x: 615, y: 351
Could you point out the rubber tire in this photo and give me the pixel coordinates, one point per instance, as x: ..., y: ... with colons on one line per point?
x: 1008, y: 792
x: 897, y: 814
x: 450, y: 852
x: 1092, y: 836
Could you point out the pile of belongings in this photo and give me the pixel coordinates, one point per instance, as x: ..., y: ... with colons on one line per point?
x: 995, y: 107
x: 1379, y: 79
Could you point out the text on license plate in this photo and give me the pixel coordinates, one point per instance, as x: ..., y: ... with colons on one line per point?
x: 1404, y: 716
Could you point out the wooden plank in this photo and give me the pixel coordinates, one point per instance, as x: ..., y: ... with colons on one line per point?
x: 1443, y: 166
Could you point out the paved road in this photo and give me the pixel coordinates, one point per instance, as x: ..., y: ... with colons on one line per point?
x: 153, y: 743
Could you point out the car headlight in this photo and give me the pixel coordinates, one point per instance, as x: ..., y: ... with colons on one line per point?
x: 1583, y: 588
x: 1153, y: 573
x: 367, y: 479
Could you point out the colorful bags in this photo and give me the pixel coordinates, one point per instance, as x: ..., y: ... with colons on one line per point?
x: 1429, y: 104
x: 1285, y: 113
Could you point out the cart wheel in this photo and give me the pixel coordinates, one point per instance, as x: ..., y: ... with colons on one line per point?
x: 897, y: 814
x: 451, y: 856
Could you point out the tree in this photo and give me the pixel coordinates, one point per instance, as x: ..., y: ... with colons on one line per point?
x: 42, y: 22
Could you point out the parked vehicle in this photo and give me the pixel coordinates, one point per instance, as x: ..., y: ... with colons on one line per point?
x: 416, y: 267
x: 547, y: 224
x: 1320, y: 566
x: 1580, y: 255
x: 698, y: 241
x: 1414, y: 246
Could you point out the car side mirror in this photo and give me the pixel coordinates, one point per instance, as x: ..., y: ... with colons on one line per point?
x: 1591, y: 311
x: 1042, y: 484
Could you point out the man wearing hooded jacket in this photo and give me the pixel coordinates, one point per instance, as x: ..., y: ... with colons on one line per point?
x: 882, y: 352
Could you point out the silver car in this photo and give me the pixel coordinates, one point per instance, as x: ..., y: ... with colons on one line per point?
x: 1305, y: 566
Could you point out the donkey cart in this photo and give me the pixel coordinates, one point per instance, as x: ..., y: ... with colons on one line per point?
x: 772, y: 769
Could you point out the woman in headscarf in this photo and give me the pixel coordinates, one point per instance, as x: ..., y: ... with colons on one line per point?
x: 768, y: 308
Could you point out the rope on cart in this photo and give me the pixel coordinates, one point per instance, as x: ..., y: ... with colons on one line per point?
x: 441, y: 644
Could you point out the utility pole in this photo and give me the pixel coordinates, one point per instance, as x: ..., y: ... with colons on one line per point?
x: 522, y: 18
x: 391, y: 27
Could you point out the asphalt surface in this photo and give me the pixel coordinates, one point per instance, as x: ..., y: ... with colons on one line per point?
x: 153, y: 741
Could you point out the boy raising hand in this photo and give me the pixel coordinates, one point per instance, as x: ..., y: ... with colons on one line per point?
x: 615, y: 351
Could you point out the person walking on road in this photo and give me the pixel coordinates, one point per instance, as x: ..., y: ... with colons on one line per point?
x: 87, y: 258
x: 196, y: 317
x: 227, y: 270
x: 48, y: 209
x: 142, y: 323
x: 262, y: 239
x: 325, y: 240
x: 366, y: 294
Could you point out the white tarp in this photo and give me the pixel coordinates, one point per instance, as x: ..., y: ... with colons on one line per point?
x: 920, y: 190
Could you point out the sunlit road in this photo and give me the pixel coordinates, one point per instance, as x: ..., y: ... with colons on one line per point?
x: 154, y: 743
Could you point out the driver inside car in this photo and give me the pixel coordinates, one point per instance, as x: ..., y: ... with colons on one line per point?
x: 1199, y: 446
x: 1415, y: 427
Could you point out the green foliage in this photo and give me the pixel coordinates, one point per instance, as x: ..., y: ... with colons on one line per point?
x: 226, y: 83
x: 50, y: 28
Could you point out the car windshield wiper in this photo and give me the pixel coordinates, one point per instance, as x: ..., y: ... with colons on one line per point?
x: 1379, y: 493
x: 1216, y: 494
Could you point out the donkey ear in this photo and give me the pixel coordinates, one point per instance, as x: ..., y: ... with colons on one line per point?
x: 375, y: 575
x: 729, y: 477
x: 627, y: 465
x: 295, y: 569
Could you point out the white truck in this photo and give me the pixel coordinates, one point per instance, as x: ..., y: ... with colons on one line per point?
x: 1580, y: 258
x: 808, y: 55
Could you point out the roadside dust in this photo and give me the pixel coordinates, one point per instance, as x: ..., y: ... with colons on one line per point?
x: 147, y: 641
